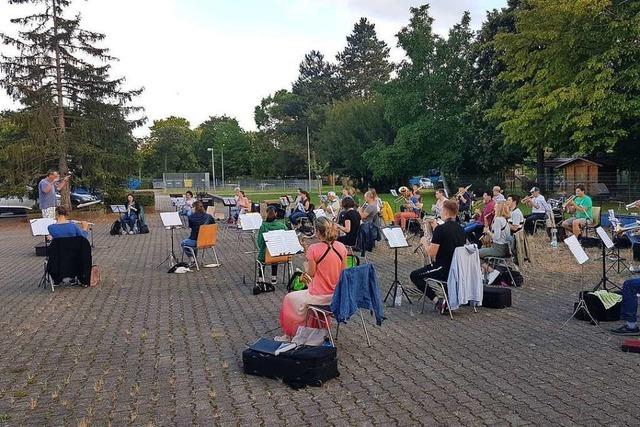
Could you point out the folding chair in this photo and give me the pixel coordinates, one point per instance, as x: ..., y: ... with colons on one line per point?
x: 506, y: 262
x: 595, y: 211
x: 542, y: 222
x: 439, y: 287
x: 268, y: 261
x: 207, y: 239
x: 322, y: 314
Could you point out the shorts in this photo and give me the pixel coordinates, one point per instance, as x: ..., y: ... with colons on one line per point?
x: 581, y: 221
x: 49, y: 213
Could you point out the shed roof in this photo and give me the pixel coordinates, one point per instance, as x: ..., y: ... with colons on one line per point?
x: 561, y: 162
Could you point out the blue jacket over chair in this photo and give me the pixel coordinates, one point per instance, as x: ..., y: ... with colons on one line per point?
x: 357, y: 288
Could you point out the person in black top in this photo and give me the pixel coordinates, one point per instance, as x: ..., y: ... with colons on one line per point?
x: 198, y: 217
x: 446, y: 238
x: 348, y: 222
x: 131, y: 215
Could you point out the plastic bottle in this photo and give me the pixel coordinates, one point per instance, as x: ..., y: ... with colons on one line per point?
x: 554, y: 238
x: 397, y: 301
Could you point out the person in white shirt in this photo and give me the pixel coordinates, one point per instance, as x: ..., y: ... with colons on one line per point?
x: 538, y: 206
x: 498, y: 197
x: 517, y: 218
x: 332, y: 205
x: 500, y: 238
x: 440, y: 198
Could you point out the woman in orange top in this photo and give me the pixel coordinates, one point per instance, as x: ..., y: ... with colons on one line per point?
x: 325, y: 262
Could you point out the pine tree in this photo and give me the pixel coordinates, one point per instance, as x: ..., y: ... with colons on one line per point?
x: 59, y: 64
x: 364, y: 62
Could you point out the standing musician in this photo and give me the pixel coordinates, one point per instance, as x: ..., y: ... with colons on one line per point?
x: 580, y: 206
x: 47, y: 188
x: 538, y: 205
x: 464, y: 202
x: 446, y: 238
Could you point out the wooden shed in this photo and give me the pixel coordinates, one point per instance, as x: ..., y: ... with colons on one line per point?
x: 563, y: 174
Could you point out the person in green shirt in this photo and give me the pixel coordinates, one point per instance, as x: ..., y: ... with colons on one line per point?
x: 270, y: 224
x: 581, y: 209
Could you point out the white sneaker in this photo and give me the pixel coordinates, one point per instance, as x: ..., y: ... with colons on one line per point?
x: 274, y: 280
x: 282, y: 338
x: 491, y: 277
x: 634, y: 269
x: 130, y: 232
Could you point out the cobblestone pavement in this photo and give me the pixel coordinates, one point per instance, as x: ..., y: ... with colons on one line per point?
x: 151, y: 348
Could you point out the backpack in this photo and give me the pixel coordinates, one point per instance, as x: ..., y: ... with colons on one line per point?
x: 116, y: 228
x: 144, y: 229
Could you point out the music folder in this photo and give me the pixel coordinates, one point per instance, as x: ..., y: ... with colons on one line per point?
x: 250, y: 221
x: 576, y: 249
x: 282, y: 242
x: 395, y: 237
x: 40, y: 226
x: 170, y: 219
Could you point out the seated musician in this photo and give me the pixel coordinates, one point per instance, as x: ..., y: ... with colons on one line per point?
x: 580, y: 207
x: 415, y: 191
x: 446, y: 238
x: 243, y: 204
x: 325, y: 261
x: 482, y: 220
x: 440, y: 198
x: 187, y: 207
x: 349, y: 222
x: 271, y: 223
x: 65, y: 228
x: 634, y: 238
x: 198, y: 218
x: 538, y: 205
x: 497, y: 194
x: 332, y: 205
x: 132, y: 214
x: 411, y: 208
x: 464, y: 202
x: 302, y: 208
x: 500, y: 234
x: 517, y: 218
x: 369, y: 211
x: 629, y: 310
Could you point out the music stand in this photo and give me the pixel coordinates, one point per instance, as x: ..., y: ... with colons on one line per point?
x: 229, y: 202
x: 170, y: 221
x: 395, y: 239
x: 249, y: 222
x: 607, y: 243
x: 40, y: 227
x: 581, y: 258
x: 283, y: 243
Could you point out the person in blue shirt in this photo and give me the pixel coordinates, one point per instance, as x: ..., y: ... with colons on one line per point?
x: 198, y: 217
x: 64, y: 228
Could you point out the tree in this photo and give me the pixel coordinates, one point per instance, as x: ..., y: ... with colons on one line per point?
x: 573, y: 69
x: 224, y: 135
x: 53, y: 67
x: 169, y: 147
x: 364, y: 62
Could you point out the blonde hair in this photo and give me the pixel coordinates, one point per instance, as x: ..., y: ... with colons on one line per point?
x: 326, y: 230
x: 503, y: 210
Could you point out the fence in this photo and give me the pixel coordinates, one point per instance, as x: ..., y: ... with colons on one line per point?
x: 198, y: 181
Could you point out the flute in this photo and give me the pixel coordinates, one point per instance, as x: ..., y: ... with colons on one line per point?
x: 632, y: 205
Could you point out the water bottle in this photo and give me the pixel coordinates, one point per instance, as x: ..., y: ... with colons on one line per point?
x: 397, y: 302
x: 554, y: 238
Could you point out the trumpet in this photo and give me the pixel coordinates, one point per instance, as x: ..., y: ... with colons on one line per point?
x: 568, y: 202
x: 461, y: 192
x: 632, y: 205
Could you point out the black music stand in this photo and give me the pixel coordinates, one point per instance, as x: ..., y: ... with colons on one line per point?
x: 171, y: 221
x: 581, y: 258
x: 395, y: 238
x: 606, y: 244
x: 39, y: 227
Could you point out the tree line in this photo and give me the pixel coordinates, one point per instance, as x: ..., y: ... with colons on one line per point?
x: 539, y: 77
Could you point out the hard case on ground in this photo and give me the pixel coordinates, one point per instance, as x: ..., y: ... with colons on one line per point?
x: 496, y: 297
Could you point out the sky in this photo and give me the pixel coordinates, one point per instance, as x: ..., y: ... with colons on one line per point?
x: 200, y: 58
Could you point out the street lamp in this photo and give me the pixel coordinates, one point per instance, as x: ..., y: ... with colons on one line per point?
x: 213, y: 169
x: 222, y: 155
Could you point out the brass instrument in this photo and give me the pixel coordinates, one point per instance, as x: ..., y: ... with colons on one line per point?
x: 568, y: 202
x: 526, y: 200
x: 461, y: 192
x: 632, y: 205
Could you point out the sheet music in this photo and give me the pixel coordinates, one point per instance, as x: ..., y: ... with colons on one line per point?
x: 604, y: 237
x: 320, y: 213
x: 228, y: 201
x: 171, y: 219
x: 118, y: 208
x: 177, y: 201
x: 250, y: 221
x: 395, y: 237
x: 576, y: 249
x: 40, y: 226
x: 282, y: 242
x: 394, y: 193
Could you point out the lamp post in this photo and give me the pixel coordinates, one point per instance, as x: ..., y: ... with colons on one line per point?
x: 213, y: 169
x: 222, y: 155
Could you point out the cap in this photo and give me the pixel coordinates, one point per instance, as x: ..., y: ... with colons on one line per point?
x: 534, y: 189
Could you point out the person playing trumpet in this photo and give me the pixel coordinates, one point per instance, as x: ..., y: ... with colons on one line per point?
x: 538, y: 205
x: 464, y: 202
x: 581, y: 206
